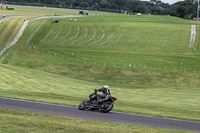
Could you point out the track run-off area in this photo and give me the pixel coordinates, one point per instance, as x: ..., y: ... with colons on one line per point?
x: 115, y: 117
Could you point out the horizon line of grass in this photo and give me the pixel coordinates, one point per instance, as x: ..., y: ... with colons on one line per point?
x: 41, y: 11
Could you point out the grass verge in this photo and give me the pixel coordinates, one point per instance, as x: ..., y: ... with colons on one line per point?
x: 21, y: 121
x: 8, y: 29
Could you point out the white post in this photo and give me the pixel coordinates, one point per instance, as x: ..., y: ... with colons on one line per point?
x: 198, y: 10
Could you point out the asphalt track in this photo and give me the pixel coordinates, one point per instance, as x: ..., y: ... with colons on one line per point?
x: 13, y: 15
x: 115, y: 117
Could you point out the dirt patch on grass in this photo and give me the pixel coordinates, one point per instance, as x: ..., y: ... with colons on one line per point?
x: 127, y: 72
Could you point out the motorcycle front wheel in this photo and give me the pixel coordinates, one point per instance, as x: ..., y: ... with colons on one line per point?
x: 82, y: 105
x: 108, y: 107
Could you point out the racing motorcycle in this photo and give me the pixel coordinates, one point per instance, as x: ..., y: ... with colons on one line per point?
x: 105, y: 105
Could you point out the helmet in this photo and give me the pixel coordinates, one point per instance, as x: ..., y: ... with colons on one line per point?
x: 106, y: 86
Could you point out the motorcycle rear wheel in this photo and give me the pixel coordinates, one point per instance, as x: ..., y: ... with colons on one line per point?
x: 82, y: 105
x: 109, y: 107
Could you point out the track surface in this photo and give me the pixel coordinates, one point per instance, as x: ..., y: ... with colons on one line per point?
x: 114, y: 117
x: 12, y: 15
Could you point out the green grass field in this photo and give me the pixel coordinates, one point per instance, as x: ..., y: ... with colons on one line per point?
x: 146, y: 60
x: 42, y: 11
x: 20, y: 121
x: 8, y: 29
x: 158, y: 43
x: 31, y: 10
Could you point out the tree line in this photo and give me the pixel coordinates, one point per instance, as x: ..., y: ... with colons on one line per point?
x: 184, y: 9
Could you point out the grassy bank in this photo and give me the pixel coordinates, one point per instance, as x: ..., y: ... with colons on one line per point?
x: 20, y: 121
x: 169, y: 102
x: 8, y: 29
x: 156, y: 44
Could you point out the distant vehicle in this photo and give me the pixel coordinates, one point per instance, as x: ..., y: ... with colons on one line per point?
x: 81, y: 12
x: 55, y: 21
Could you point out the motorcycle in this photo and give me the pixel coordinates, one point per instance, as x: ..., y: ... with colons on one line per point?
x: 105, y: 105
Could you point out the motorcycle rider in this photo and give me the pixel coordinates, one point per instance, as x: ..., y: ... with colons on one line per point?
x: 103, y: 103
x: 106, y: 93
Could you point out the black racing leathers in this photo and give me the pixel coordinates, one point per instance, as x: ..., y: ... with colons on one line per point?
x: 105, y: 91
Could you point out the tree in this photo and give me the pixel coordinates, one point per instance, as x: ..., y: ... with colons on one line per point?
x: 69, y: 2
x: 84, y: 4
x: 114, y: 6
x: 186, y: 9
x: 140, y: 7
x: 104, y: 4
x: 157, y: 10
x: 96, y: 6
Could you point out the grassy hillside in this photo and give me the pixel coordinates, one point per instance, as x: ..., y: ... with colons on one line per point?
x: 146, y: 60
x: 20, y: 121
x: 170, y: 102
x: 152, y: 43
x: 8, y: 29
